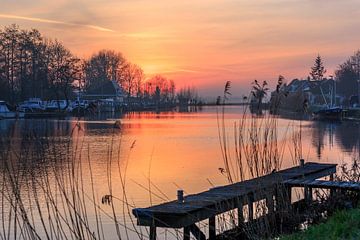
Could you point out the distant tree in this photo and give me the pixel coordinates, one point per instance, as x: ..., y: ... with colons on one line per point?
x: 163, y: 86
x: 347, y: 75
x: 172, y: 89
x: 187, y: 95
x: 131, y: 79
x: 318, y: 70
x: 63, y: 70
x: 259, y: 91
x: 103, y: 66
x: 157, y: 94
x: 22, y: 63
x: 9, y: 42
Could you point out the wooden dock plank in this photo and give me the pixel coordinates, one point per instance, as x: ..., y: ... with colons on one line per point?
x: 353, y: 186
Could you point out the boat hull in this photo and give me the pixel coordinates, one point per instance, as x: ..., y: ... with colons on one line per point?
x: 329, y: 114
x: 11, y: 115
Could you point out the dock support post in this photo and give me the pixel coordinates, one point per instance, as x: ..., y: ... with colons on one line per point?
x: 308, y: 194
x: 186, y: 233
x: 196, y: 232
x: 302, y: 162
x: 332, y: 191
x: 152, y: 233
x: 240, y: 211
x: 270, y: 202
x: 251, y: 206
x: 212, y: 228
x: 289, y: 192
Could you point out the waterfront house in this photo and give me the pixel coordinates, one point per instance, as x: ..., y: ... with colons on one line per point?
x: 305, y: 95
x: 107, y: 90
x: 108, y: 96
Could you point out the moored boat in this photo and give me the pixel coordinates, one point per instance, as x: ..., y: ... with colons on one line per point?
x: 5, y: 113
x: 332, y: 113
x: 32, y: 105
x: 59, y: 105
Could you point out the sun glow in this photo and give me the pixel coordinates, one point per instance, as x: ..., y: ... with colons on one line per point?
x: 201, y: 42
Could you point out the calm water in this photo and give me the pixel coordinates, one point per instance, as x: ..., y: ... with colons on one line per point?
x: 156, y: 154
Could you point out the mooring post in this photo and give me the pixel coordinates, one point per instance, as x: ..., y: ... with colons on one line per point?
x: 186, y: 233
x: 332, y: 191
x: 212, y: 228
x: 302, y: 162
x: 289, y: 194
x: 152, y: 232
x: 270, y: 202
x: 306, y: 194
x: 240, y: 211
x: 196, y: 232
x: 307, y: 191
x: 251, y: 206
x: 180, y: 196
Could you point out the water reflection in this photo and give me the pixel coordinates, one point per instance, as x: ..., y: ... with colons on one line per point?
x: 345, y: 135
x: 170, y: 148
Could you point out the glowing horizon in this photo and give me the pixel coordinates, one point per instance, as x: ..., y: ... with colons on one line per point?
x: 202, y: 43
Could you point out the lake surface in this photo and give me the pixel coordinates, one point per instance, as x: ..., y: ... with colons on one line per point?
x: 150, y: 156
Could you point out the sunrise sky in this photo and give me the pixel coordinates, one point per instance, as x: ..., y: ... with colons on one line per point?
x: 201, y: 43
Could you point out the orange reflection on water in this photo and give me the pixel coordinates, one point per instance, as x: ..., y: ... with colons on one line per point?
x: 152, y: 155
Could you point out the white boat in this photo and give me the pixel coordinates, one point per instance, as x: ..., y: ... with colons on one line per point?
x: 80, y: 104
x: 6, y: 113
x: 32, y: 105
x: 61, y: 105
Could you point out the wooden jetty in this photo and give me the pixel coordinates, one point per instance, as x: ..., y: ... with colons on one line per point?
x: 186, y: 211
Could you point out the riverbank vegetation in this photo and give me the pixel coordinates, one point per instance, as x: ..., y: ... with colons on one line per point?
x: 344, y: 224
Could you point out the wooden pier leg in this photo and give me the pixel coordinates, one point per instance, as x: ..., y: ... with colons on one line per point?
x: 186, y: 233
x: 196, y: 232
x: 270, y: 204
x: 276, y: 196
x: 306, y: 194
x: 240, y: 211
x: 212, y: 228
x: 251, y: 206
x: 289, y: 192
x: 152, y: 233
x: 332, y: 191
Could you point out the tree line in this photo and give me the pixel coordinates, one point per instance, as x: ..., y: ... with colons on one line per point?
x: 347, y: 74
x: 32, y: 65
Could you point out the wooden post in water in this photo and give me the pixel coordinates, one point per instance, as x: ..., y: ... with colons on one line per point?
x: 307, y: 191
x: 289, y: 193
x: 270, y: 202
x: 306, y: 194
x: 251, y: 206
x: 310, y: 194
x: 332, y: 190
x: 180, y: 196
x: 212, y: 228
x: 240, y: 211
x: 302, y: 162
x: 152, y: 232
x: 186, y: 233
